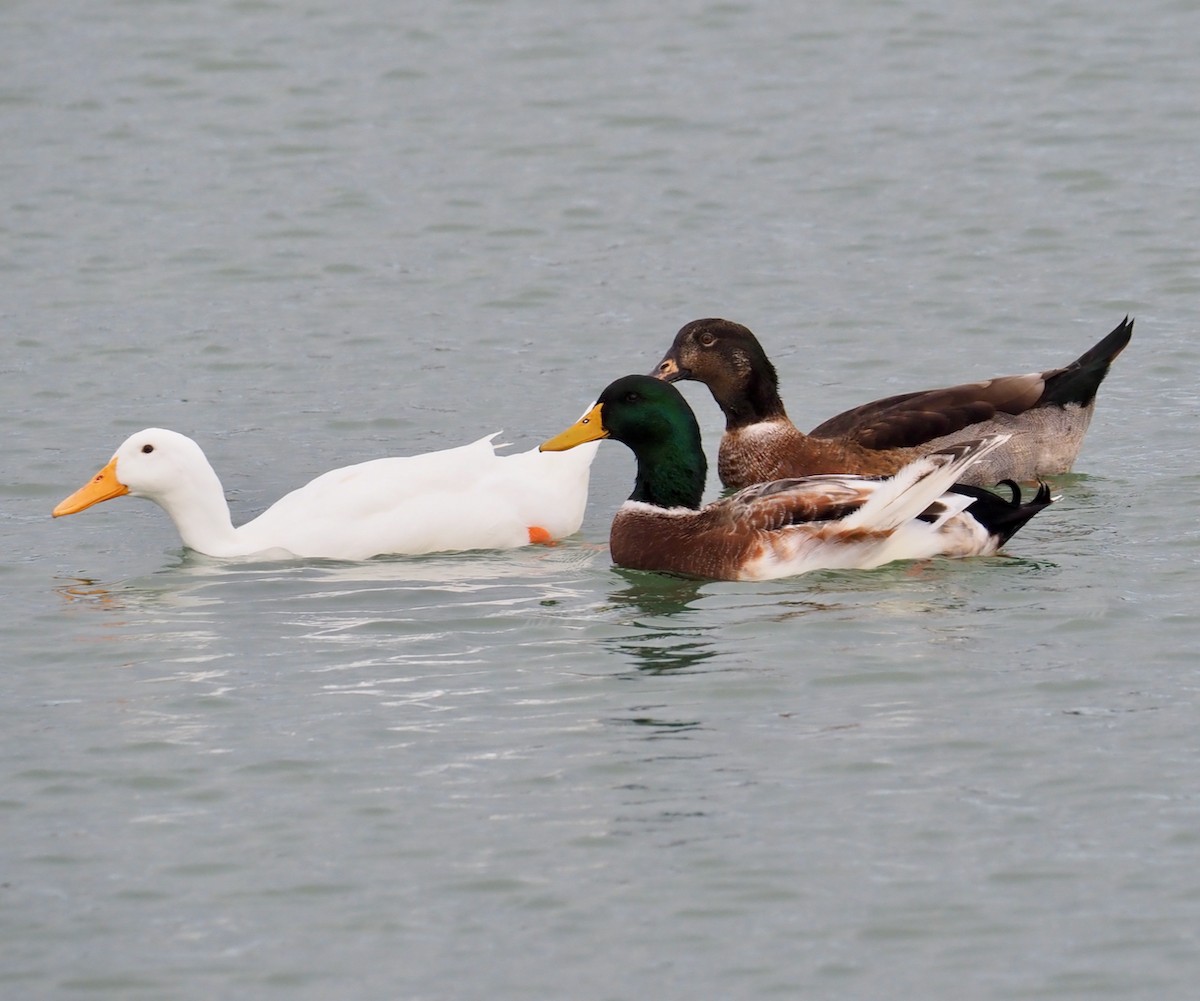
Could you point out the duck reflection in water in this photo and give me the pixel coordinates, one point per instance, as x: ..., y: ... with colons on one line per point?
x: 658, y: 647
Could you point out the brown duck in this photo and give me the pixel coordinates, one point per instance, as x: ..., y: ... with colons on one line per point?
x: 1045, y: 413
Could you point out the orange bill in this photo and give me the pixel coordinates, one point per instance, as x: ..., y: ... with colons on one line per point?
x: 589, y: 427
x: 101, y: 487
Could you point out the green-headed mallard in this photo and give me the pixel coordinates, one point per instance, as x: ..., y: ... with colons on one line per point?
x: 789, y: 526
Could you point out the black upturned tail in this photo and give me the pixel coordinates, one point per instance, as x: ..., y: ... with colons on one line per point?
x: 1078, y: 382
x: 1003, y: 518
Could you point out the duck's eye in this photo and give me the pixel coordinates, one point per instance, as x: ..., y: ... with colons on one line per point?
x: 147, y: 449
x: 632, y: 397
x: 707, y: 339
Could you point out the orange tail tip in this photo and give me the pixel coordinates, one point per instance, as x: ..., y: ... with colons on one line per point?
x: 539, y: 536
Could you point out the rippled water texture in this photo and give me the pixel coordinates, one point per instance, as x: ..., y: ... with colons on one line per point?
x: 312, y: 234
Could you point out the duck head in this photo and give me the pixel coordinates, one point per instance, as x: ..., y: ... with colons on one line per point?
x: 727, y: 358
x: 154, y: 463
x: 655, y: 421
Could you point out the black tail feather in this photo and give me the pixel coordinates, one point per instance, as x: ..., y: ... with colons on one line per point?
x: 1078, y: 382
x: 1004, y: 518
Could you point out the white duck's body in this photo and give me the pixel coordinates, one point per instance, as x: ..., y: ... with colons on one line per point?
x: 457, y: 499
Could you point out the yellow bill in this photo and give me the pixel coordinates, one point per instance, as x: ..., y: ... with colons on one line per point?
x: 589, y: 427
x: 101, y: 487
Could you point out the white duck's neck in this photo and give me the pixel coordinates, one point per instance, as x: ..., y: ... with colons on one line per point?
x: 197, y: 506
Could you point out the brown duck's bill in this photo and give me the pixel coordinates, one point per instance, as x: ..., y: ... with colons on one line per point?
x: 101, y: 487
x: 589, y: 427
x: 668, y: 370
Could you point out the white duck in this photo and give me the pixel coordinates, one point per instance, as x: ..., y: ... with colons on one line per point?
x: 457, y: 499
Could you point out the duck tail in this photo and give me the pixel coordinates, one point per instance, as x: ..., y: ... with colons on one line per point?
x: 1079, y: 381
x: 1003, y: 518
x: 908, y: 493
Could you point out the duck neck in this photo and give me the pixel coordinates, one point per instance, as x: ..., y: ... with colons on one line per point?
x: 671, y: 472
x: 200, y: 512
x: 753, y: 400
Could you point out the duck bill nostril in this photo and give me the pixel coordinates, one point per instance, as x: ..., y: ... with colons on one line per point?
x: 667, y: 370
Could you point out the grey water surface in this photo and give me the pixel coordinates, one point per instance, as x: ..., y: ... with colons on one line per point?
x: 310, y: 234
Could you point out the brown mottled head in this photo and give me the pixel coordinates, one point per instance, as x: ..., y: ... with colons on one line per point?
x: 728, y: 359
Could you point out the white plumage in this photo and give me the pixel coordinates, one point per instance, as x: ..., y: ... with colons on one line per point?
x: 452, y: 500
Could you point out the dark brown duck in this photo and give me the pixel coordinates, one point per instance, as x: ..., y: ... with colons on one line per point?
x: 1045, y: 413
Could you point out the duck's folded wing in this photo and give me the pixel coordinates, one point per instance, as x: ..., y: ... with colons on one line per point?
x: 779, y: 503
x: 912, y: 419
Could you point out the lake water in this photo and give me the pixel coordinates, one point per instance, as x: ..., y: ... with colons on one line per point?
x: 310, y: 234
